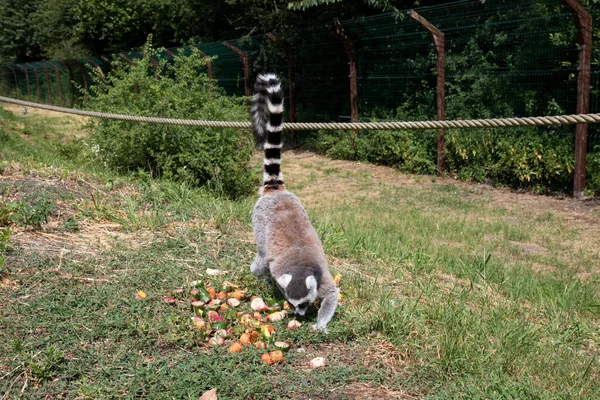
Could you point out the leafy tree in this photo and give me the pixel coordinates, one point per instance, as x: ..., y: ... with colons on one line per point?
x: 18, y: 35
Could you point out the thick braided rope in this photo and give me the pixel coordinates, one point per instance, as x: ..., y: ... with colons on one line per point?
x: 473, y: 123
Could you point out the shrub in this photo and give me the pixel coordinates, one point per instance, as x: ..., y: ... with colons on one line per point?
x: 524, y: 157
x: 405, y: 150
x: 593, y: 170
x: 542, y: 158
x: 34, y: 210
x: 217, y: 158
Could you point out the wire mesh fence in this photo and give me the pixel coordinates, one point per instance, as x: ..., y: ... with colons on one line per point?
x: 504, y: 58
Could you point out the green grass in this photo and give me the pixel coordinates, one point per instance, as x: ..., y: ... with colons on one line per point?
x: 440, y: 298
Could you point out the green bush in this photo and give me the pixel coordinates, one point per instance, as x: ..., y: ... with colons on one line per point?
x: 593, y: 171
x: 217, y: 158
x: 541, y: 159
x: 34, y: 210
x: 405, y: 150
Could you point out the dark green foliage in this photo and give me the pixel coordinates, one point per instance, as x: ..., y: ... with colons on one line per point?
x: 4, y: 247
x: 34, y: 210
x: 215, y: 157
x: 408, y: 151
x: 70, y: 225
x: 520, y: 157
x: 18, y: 41
x: 593, y: 170
x: 7, y: 210
x: 527, y: 157
x: 59, y: 29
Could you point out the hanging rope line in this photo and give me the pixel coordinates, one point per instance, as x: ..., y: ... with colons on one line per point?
x: 416, y: 125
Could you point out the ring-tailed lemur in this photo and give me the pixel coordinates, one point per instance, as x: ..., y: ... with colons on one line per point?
x: 288, y: 246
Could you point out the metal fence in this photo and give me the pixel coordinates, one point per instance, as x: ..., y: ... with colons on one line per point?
x: 509, y: 47
x: 503, y: 58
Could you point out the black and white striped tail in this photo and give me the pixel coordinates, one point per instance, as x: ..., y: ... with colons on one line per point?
x: 267, y: 122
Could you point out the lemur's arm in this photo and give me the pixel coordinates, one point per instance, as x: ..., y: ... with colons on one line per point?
x: 328, y: 305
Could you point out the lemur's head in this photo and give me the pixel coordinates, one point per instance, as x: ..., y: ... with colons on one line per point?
x: 300, y: 290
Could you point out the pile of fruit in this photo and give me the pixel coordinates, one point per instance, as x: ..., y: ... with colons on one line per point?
x: 225, y: 316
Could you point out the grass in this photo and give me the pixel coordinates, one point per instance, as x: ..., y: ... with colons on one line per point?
x: 450, y: 291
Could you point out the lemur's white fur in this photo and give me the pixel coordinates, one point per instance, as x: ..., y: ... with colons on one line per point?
x: 289, y: 249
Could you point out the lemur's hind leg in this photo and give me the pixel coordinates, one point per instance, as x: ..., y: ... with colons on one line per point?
x: 260, y: 266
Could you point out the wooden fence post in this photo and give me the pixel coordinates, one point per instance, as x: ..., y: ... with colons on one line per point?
x: 5, y: 74
x: 47, y: 73
x: 208, y: 67
x: 583, y: 23
x: 154, y: 64
x: 85, y: 82
x: 60, y: 91
x: 26, y: 79
x: 350, y: 48
x: 289, y: 58
x: 16, y: 79
x: 37, y: 82
x: 439, y: 42
x: 71, y: 81
x: 244, y: 59
x: 136, y: 87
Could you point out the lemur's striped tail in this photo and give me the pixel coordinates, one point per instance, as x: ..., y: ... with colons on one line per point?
x: 267, y: 122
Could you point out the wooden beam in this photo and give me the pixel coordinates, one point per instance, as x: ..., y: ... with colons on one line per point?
x: 136, y: 88
x: 67, y: 65
x: 208, y: 66
x: 37, y: 83
x: 85, y: 82
x: 350, y: 48
x: 439, y: 42
x: 26, y: 79
x: 60, y: 91
x: 583, y: 23
x: 5, y: 76
x: 16, y: 80
x: 245, y: 62
x: 47, y: 73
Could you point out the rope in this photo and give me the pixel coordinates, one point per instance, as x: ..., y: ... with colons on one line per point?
x: 416, y: 125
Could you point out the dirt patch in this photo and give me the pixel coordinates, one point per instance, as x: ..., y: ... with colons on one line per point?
x: 8, y: 284
x: 529, y: 248
x: 87, y: 236
x: 376, y: 354
x: 364, y: 391
x: 583, y: 214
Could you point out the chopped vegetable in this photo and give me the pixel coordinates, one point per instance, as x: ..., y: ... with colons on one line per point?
x: 283, y: 346
x: 199, y: 323
x: 293, y: 324
x: 233, y: 302
x: 212, y: 292
x: 235, y: 347
x: 317, y: 362
x: 236, y: 294
x: 277, y: 316
x: 337, y: 279
x: 258, y: 304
